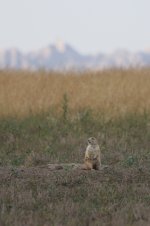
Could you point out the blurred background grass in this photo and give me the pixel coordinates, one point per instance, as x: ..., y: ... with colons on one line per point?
x: 47, y: 116
x: 110, y: 92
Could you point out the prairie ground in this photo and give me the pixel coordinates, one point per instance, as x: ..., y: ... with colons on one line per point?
x: 47, y: 118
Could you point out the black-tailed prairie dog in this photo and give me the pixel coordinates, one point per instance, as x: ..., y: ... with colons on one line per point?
x: 92, y: 158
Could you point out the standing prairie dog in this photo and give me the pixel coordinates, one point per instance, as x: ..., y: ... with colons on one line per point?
x: 92, y: 158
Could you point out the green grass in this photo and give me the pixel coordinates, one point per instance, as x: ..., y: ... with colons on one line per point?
x: 49, y: 138
x: 33, y: 195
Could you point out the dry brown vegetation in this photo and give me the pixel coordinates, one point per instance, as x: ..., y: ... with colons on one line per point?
x: 112, y: 92
x: 36, y: 196
x: 47, y: 118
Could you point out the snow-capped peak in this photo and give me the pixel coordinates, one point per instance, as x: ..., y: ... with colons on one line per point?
x: 60, y: 46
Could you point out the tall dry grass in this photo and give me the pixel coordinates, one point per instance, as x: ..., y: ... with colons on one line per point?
x: 112, y: 92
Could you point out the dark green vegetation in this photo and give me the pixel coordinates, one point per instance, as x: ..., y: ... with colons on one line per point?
x: 31, y: 195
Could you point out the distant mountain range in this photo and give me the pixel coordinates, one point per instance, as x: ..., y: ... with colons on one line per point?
x: 63, y: 57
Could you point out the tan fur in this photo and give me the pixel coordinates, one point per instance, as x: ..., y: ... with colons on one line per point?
x: 92, y: 158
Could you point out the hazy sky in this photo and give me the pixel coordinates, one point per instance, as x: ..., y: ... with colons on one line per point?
x: 90, y: 26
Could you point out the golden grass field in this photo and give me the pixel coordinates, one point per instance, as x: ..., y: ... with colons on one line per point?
x: 111, y: 92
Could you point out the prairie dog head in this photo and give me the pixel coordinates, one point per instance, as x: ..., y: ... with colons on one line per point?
x: 92, y: 141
